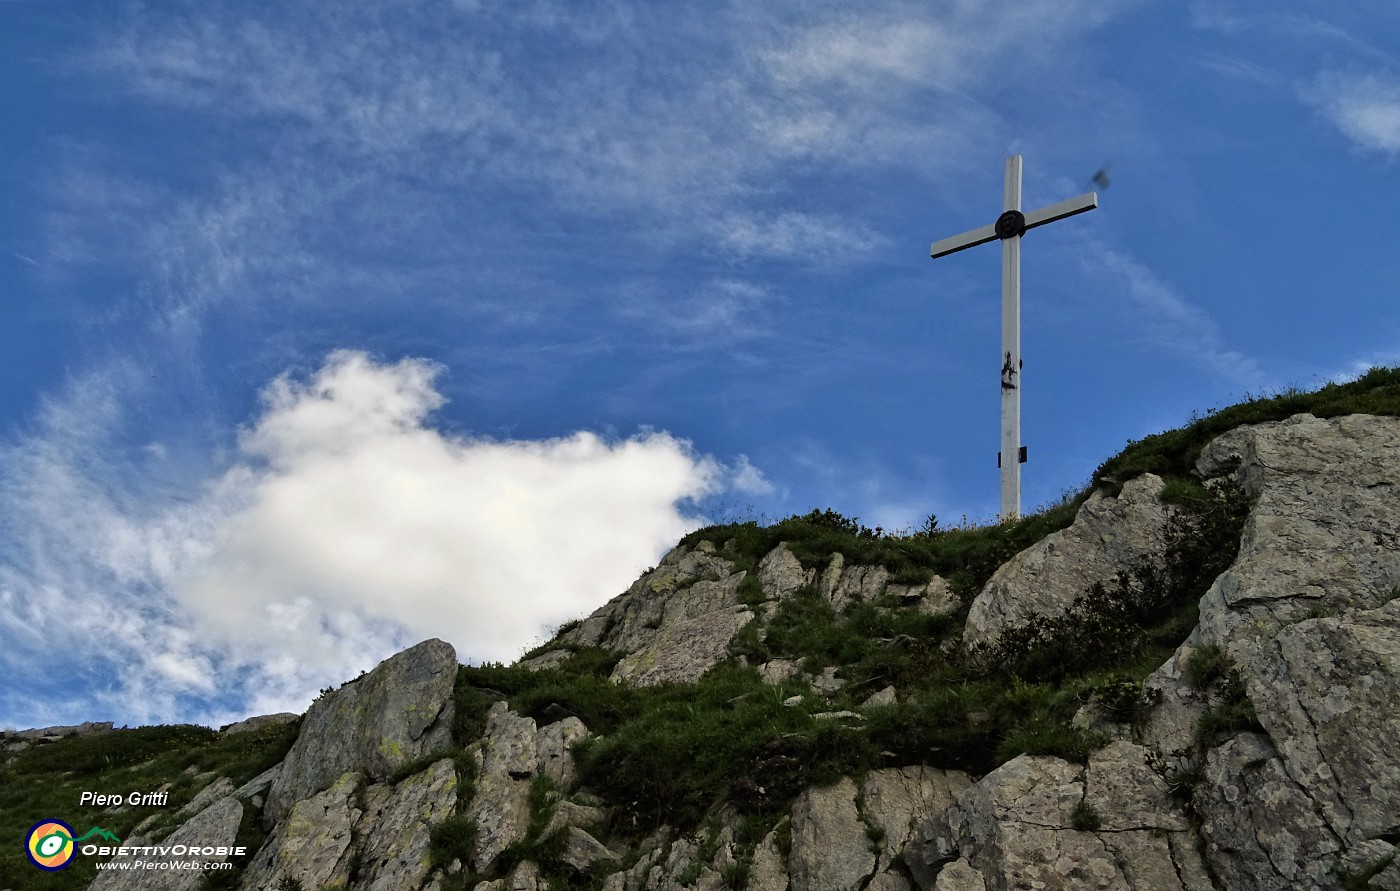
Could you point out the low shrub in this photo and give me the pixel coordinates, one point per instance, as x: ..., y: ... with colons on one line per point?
x: 1206, y: 665
x: 1086, y: 817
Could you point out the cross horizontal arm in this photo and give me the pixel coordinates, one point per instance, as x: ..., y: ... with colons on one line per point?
x: 963, y: 242
x: 1067, y: 208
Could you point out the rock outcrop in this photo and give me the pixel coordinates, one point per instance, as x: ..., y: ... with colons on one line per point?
x: 1309, y: 614
x: 400, y: 711
x: 1299, y: 790
x: 1039, y: 822
x: 1110, y: 536
x: 213, y: 827
x: 501, y: 806
x: 674, y: 623
x: 259, y: 722
x: 16, y: 741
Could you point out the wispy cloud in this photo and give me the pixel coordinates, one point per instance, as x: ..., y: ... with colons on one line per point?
x: 1243, y: 71
x: 793, y: 235
x: 1164, y: 317
x: 1364, y: 106
x: 687, y: 145
x: 1307, y: 29
x: 1362, y: 364
x: 719, y: 312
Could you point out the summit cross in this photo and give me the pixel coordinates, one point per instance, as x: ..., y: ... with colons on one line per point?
x: 1009, y: 228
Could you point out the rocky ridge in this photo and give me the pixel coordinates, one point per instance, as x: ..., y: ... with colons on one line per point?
x: 1300, y: 636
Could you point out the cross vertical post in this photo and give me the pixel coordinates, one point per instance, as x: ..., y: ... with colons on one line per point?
x: 1010, y: 457
x: 1009, y: 228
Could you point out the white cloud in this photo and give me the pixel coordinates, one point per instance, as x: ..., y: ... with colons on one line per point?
x: 346, y: 527
x: 363, y: 509
x: 1364, y: 107
x: 746, y: 478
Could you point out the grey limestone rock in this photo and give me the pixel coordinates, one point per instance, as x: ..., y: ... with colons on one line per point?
x: 688, y: 584
x: 501, y: 811
x: 259, y: 722
x: 1110, y: 535
x: 1328, y: 693
x: 681, y: 652
x: 258, y: 785
x: 547, y: 660
x: 1092, y: 716
x: 830, y: 849
x: 509, y: 754
x: 895, y: 801
x: 49, y: 734
x: 883, y: 697
x: 509, y: 743
x: 642, y: 873
x: 841, y: 584
x: 768, y: 869
x: 1122, y: 787
x: 674, y: 623
x: 553, y: 744
x: 827, y: 682
x: 214, y: 826
x: 1388, y: 879
x: 959, y: 876
x: 1308, y: 616
x: 582, y: 851
x: 932, y: 598
x: 843, y: 715
x: 889, y: 880
x: 780, y: 573
x: 525, y: 877
x: 1016, y: 827
x: 313, y: 844
x: 220, y: 788
x: 778, y: 670
x: 398, y: 712
x: 569, y: 813
x: 1260, y: 830
x: 668, y: 864
x: 396, y: 828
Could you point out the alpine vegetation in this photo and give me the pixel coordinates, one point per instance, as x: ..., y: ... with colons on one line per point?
x: 1184, y: 678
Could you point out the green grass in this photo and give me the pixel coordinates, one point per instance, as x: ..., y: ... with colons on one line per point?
x: 46, y: 782
x: 1174, y: 452
x: 1206, y: 665
x: 1232, y: 712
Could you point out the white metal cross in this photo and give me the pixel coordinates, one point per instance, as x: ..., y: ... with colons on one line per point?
x: 1009, y: 228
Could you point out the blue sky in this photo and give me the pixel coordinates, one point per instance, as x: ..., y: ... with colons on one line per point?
x: 331, y: 327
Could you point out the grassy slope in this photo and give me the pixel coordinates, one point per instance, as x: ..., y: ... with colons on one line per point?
x: 44, y: 782
x: 671, y: 754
